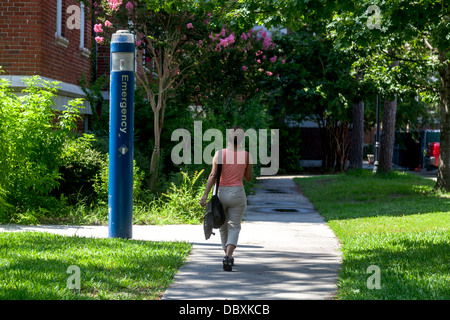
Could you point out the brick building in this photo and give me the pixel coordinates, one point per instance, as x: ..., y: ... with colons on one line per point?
x: 49, y: 38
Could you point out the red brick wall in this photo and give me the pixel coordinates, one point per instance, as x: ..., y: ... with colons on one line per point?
x: 20, y: 33
x: 103, y: 56
x: 65, y: 64
x: 27, y: 41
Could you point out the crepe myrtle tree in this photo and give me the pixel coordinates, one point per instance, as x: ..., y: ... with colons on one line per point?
x: 173, y: 39
x: 233, y: 72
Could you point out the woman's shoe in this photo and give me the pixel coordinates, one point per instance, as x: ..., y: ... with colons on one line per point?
x: 227, y: 263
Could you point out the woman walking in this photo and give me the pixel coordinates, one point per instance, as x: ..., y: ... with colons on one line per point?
x: 236, y: 165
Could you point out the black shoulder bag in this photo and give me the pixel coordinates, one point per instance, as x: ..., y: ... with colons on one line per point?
x: 214, y: 214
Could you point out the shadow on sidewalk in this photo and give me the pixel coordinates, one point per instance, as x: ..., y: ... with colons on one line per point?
x: 258, y: 274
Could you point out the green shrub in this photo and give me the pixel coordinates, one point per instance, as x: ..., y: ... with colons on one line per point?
x: 5, y: 208
x: 80, y: 164
x: 101, y: 181
x: 183, y: 198
x: 179, y: 204
x: 32, y: 137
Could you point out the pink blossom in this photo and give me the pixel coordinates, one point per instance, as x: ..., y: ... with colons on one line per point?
x: 225, y: 42
x: 107, y: 23
x: 264, y: 57
x: 200, y: 43
x: 98, y: 28
x: 267, y: 43
x: 269, y: 73
x: 244, y: 36
x: 230, y: 39
x: 129, y: 6
x: 244, y: 68
x: 147, y: 59
x: 189, y: 26
x: 259, y: 61
x: 273, y: 59
x: 223, y: 32
x: 114, y: 4
x: 138, y: 43
x: 99, y: 39
x: 284, y: 61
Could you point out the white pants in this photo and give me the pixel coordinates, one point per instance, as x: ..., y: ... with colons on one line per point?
x: 234, y: 203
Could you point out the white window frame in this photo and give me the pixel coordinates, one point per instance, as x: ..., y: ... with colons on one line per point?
x: 59, y: 39
x: 85, y: 52
x: 82, y: 26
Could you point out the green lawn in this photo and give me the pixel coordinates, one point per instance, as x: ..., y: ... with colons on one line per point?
x: 35, y: 265
x: 395, y: 222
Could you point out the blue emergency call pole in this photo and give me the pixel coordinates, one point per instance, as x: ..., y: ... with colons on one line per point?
x: 121, y: 132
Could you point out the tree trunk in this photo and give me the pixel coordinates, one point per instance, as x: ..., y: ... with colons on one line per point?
x: 154, y: 163
x: 443, y: 178
x: 335, y: 144
x: 167, y: 69
x: 388, y: 136
x: 341, y: 144
x: 357, y: 146
x: 328, y: 159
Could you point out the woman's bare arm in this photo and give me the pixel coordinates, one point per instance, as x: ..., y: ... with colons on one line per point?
x: 211, y: 181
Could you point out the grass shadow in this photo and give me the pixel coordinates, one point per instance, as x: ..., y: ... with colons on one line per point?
x: 396, y: 222
x: 34, y: 266
x: 363, y: 194
x: 410, y: 265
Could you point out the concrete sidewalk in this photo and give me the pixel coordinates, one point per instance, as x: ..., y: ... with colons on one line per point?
x: 285, y: 250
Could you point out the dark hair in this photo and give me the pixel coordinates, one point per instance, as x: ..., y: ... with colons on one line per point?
x: 236, y: 136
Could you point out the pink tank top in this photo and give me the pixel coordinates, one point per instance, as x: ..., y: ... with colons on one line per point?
x: 233, y: 168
